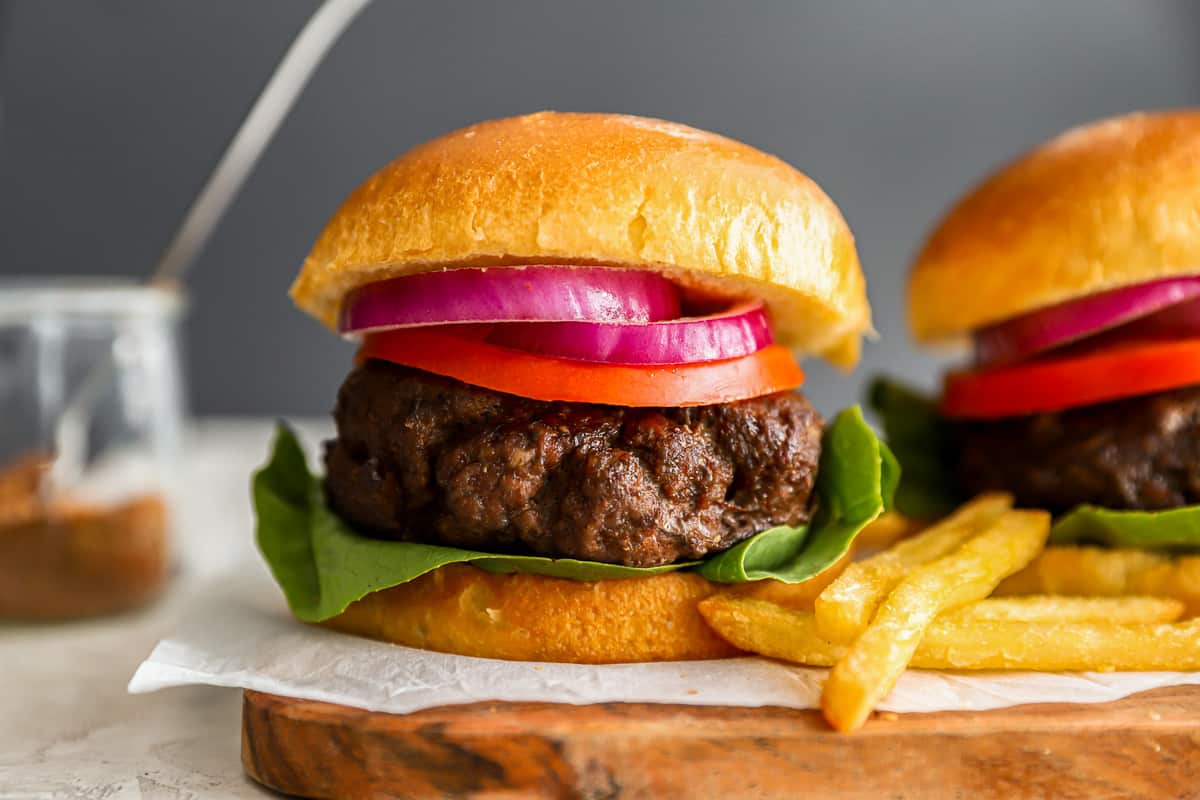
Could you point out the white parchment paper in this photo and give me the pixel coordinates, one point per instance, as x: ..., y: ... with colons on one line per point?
x: 240, y: 634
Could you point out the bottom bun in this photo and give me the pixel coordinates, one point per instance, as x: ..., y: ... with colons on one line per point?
x: 465, y: 610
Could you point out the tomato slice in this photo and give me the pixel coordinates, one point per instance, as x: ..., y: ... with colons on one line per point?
x: 1053, y: 384
x: 458, y: 351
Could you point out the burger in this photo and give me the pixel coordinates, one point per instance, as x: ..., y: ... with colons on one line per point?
x: 1074, y: 275
x: 573, y: 411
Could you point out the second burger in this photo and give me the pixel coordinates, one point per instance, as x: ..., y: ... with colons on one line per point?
x: 1074, y: 272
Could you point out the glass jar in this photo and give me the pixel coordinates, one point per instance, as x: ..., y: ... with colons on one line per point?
x: 91, y: 415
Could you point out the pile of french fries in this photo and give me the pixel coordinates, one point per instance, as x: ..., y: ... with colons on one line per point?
x: 927, y: 602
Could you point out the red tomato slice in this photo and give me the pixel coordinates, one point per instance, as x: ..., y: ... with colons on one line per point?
x: 458, y: 351
x: 1053, y: 384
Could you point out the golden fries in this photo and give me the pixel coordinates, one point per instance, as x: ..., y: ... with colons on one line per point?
x: 877, y: 658
x: 1178, y: 578
x: 925, y: 603
x: 952, y: 642
x: 1109, y: 573
x: 846, y: 607
x: 757, y: 626
x: 886, y: 530
x: 1087, y: 645
x: 1081, y: 571
x: 1046, y: 608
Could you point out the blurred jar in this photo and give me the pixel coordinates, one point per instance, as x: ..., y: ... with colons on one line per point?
x: 91, y: 414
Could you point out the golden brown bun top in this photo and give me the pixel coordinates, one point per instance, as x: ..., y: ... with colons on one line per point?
x: 1105, y: 205
x: 610, y: 190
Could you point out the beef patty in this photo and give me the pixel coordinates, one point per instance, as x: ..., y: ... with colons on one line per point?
x: 424, y: 458
x: 1138, y: 453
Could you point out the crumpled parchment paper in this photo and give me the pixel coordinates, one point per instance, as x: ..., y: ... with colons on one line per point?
x: 239, y: 633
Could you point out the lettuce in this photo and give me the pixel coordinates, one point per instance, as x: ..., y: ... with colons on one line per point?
x: 1175, y: 529
x: 323, y: 566
x: 855, y: 484
x: 920, y: 438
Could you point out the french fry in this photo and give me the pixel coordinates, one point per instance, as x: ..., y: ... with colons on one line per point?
x: 1082, y: 571
x: 1046, y: 608
x: 951, y: 643
x: 877, y: 658
x: 1056, y: 646
x: 768, y: 629
x: 1178, y: 578
x: 1109, y: 573
x: 924, y: 603
x: 845, y: 609
x: 887, y: 529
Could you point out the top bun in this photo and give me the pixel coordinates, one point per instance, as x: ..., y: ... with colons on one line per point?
x: 1101, y: 206
x: 603, y: 189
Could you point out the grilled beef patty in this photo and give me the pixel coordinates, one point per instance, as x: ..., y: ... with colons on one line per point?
x: 1137, y: 453
x: 423, y: 458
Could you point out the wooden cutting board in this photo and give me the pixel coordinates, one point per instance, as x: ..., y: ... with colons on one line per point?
x: 1147, y: 746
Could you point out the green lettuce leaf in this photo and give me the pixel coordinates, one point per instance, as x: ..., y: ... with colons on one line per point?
x: 857, y: 478
x: 323, y: 566
x: 920, y: 439
x: 1175, y: 529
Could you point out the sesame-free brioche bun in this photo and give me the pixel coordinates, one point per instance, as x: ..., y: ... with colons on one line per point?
x: 603, y: 189
x: 464, y: 610
x: 1105, y: 205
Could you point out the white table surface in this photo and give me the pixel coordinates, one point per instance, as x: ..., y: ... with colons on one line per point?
x: 67, y: 727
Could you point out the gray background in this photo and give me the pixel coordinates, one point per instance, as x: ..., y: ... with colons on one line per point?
x: 115, y: 110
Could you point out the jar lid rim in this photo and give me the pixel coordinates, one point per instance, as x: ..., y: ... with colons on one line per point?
x: 23, y: 298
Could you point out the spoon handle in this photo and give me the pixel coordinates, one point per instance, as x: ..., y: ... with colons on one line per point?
x: 258, y: 128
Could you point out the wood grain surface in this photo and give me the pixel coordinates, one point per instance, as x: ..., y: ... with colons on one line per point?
x: 1145, y: 746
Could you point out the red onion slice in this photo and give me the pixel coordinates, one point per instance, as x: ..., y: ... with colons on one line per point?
x: 538, y: 293
x: 1032, y: 333
x: 1180, y: 321
x: 738, y: 331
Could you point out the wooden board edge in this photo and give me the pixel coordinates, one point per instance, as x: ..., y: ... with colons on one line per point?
x: 1143, y: 745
